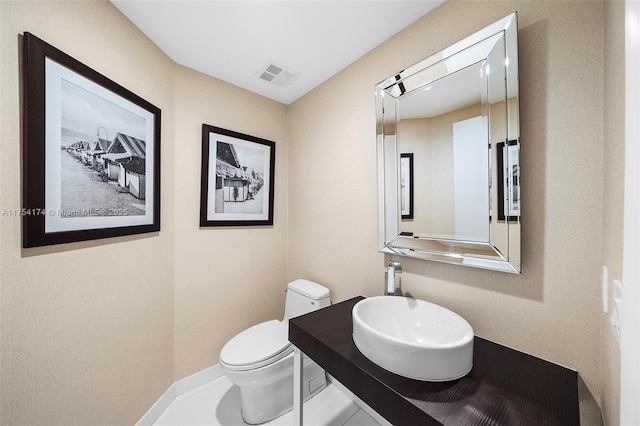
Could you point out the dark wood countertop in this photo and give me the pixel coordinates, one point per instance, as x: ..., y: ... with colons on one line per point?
x: 505, y: 387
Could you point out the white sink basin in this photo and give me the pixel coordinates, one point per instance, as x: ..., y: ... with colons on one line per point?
x: 413, y: 338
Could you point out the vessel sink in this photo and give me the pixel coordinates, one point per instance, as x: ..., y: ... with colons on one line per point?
x: 413, y: 338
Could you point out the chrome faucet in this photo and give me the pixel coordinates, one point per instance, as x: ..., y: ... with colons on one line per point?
x: 390, y: 275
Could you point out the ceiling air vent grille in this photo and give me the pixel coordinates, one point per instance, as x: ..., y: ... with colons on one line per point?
x: 276, y: 75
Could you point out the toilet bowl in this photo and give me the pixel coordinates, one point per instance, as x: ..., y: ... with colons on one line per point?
x: 259, y: 360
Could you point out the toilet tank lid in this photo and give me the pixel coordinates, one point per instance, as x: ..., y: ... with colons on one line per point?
x: 309, y: 289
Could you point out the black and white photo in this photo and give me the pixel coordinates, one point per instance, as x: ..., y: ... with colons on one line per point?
x: 100, y: 147
x: 237, y: 178
x: 406, y: 185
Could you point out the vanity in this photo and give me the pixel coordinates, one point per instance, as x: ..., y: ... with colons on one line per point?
x: 504, y: 387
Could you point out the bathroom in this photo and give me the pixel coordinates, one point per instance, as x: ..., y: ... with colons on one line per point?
x: 83, y: 344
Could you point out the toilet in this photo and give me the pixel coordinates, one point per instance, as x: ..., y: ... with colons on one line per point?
x: 259, y: 360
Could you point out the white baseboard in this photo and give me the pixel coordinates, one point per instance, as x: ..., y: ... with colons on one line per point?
x: 176, y: 389
x: 153, y: 413
x: 200, y: 378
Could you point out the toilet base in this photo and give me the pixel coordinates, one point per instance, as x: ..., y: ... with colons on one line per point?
x: 262, y: 402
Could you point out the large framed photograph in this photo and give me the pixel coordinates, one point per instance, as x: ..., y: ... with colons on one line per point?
x: 91, y: 152
x: 237, y: 178
x: 508, y: 158
x: 406, y: 185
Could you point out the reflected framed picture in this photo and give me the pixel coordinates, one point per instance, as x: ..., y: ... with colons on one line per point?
x: 237, y: 180
x: 406, y: 185
x: 508, y: 159
x: 91, y: 152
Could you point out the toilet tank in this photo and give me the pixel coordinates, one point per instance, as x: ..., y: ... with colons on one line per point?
x: 304, y: 296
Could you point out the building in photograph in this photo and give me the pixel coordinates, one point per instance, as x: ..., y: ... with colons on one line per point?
x: 122, y: 150
x: 93, y: 156
x: 235, y: 182
x: 231, y: 178
x: 132, y: 176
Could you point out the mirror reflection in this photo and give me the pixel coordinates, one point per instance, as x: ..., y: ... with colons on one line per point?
x: 448, y: 150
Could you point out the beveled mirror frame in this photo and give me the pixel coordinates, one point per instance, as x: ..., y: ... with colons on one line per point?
x: 495, y: 39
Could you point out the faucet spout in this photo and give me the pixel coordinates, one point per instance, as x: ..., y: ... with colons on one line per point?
x: 390, y: 285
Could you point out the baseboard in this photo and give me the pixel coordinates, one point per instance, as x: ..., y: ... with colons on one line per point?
x: 153, y: 413
x: 200, y: 378
x: 176, y: 389
x: 370, y: 411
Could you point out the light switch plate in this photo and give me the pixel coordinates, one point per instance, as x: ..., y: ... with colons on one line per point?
x: 616, y: 315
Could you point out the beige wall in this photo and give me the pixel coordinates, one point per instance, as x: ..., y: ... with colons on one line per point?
x: 86, y: 338
x: 551, y: 310
x: 226, y: 279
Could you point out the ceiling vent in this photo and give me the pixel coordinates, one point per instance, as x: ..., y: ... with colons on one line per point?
x: 276, y: 75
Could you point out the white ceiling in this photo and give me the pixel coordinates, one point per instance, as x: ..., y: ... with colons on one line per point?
x: 233, y: 40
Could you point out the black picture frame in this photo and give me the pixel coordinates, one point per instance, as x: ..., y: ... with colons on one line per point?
x: 237, y: 180
x: 78, y: 186
x: 508, y: 176
x: 406, y: 185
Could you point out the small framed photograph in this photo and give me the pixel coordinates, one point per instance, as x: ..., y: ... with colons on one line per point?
x: 91, y: 152
x: 406, y: 185
x: 508, y: 159
x: 237, y: 178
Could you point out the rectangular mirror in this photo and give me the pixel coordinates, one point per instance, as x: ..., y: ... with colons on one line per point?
x: 448, y: 154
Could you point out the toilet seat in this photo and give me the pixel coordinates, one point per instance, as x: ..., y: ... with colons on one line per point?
x: 255, y: 347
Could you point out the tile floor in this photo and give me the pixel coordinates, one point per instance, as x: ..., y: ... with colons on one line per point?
x: 218, y: 403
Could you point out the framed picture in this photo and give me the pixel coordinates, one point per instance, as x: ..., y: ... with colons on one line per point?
x: 91, y: 152
x: 237, y: 178
x: 490, y: 184
x: 508, y: 159
x: 406, y: 185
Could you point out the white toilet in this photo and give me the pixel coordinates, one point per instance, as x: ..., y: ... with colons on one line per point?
x: 259, y: 360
